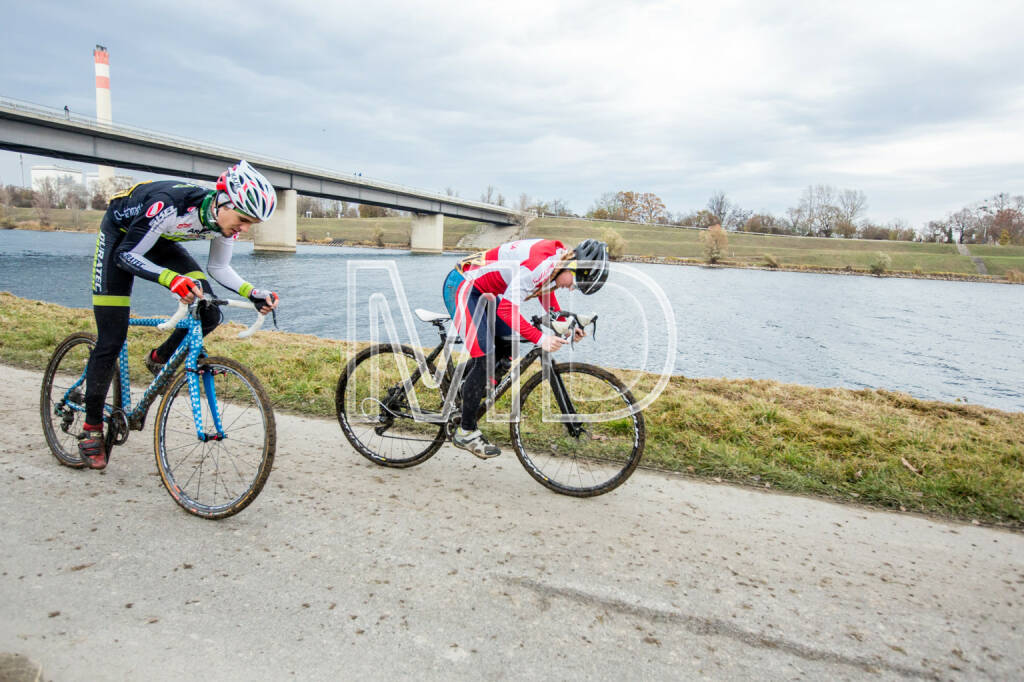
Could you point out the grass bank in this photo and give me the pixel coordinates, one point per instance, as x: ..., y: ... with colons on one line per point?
x: 669, y: 244
x: 878, y: 448
x: 793, y: 253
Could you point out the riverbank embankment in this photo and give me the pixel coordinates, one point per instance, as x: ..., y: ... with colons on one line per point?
x: 868, y: 447
x: 656, y: 244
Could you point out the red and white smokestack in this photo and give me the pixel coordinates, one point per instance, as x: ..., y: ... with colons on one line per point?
x: 102, y: 59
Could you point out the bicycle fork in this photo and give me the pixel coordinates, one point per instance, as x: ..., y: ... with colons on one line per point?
x: 209, y: 388
x: 565, y: 404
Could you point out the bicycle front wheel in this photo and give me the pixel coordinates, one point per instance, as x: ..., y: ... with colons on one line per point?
x: 589, y: 448
x: 220, y: 471
x: 374, y: 410
x: 62, y: 398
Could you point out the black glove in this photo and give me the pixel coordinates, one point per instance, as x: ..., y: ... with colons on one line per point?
x: 261, y: 298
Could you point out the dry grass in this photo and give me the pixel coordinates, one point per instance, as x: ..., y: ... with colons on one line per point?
x: 879, y: 448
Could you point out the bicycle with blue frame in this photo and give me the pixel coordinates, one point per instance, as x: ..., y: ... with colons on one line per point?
x: 214, y: 434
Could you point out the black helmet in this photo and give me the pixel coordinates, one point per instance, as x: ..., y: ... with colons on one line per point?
x: 591, y: 265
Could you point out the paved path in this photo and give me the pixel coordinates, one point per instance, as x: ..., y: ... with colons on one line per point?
x: 466, y: 569
x: 978, y: 263
x: 487, y: 236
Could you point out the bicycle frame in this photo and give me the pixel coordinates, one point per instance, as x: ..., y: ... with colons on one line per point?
x: 188, y: 351
x: 128, y: 418
x: 452, y: 374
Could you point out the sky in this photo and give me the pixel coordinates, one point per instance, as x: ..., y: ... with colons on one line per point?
x: 920, y: 105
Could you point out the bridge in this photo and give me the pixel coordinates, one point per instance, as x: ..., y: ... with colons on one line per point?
x: 33, y: 129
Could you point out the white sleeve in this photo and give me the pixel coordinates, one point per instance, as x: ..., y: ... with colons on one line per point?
x: 219, y: 265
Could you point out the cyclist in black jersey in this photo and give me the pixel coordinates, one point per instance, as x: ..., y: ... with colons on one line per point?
x: 140, y: 236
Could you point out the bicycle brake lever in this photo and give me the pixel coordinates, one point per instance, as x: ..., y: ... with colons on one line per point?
x: 273, y: 316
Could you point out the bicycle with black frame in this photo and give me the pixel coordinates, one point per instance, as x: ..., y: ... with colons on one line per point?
x: 575, y: 427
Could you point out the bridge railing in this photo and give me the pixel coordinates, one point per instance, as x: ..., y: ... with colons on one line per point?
x: 61, y: 116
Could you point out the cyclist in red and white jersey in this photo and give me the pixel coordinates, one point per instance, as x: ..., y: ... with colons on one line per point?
x: 506, y: 277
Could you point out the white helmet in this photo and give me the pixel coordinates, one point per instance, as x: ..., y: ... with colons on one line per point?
x: 249, y: 192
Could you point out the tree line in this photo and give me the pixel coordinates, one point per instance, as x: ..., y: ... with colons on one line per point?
x: 820, y: 211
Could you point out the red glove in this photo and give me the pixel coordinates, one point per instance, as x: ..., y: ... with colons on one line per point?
x: 182, y: 286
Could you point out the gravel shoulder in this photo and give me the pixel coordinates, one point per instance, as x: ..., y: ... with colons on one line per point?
x: 469, y: 569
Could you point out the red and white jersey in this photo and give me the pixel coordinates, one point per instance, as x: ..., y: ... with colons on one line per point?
x: 515, y: 271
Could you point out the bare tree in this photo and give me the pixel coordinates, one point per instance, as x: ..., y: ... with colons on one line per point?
x: 44, y: 199
x: 524, y: 202
x: 998, y: 214
x: 962, y: 224
x: 606, y: 207
x: 818, y: 211
x: 490, y: 195
x: 559, y: 207
x: 852, y: 203
x: 726, y: 212
x: 719, y: 206
x: 939, y: 231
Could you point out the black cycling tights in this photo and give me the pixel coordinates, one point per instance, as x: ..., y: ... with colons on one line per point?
x: 112, y: 327
x: 475, y: 381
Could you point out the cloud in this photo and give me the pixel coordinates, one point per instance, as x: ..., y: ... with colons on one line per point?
x: 570, y: 99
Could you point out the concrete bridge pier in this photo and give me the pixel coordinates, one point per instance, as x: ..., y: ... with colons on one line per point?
x: 278, y: 233
x: 427, y: 233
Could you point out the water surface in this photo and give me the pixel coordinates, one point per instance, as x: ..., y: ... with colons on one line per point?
x: 933, y: 339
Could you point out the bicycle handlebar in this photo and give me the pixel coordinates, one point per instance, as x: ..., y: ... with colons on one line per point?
x: 566, y: 327
x: 183, y: 309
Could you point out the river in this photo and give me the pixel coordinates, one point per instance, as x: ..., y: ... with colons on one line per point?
x: 938, y: 340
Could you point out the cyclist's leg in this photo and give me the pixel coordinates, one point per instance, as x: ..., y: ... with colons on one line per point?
x: 471, y: 323
x: 111, y: 298
x: 173, y: 256
x: 471, y: 318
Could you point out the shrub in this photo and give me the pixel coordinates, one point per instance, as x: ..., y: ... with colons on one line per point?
x: 770, y: 260
x: 1014, y: 275
x: 378, y: 235
x: 880, y: 264
x: 616, y: 243
x: 715, y: 241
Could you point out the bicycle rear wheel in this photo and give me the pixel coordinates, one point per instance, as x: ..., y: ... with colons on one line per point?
x: 220, y: 472
x: 374, y: 411
x: 610, y: 439
x: 62, y: 398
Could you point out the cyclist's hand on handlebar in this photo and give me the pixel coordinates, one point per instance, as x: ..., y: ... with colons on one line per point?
x: 550, y: 343
x: 185, y: 288
x: 578, y: 333
x: 265, y: 301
